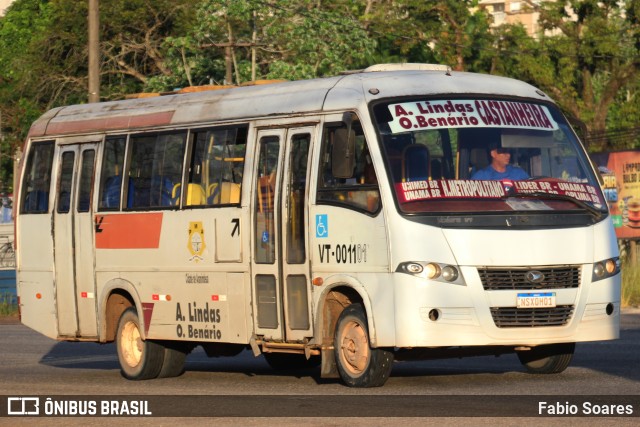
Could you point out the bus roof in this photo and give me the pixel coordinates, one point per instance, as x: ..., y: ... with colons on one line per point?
x: 345, y: 92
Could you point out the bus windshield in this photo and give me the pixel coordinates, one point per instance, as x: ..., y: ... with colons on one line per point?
x: 484, y: 155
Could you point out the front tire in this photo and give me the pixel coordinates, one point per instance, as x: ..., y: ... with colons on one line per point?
x: 359, y: 365
x: 547, y: 359
x: 139, y: 359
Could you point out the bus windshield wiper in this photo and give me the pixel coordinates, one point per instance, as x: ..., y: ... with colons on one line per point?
x: 597, y: 213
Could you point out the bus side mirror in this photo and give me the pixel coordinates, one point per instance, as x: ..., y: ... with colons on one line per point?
x: 343, y: 153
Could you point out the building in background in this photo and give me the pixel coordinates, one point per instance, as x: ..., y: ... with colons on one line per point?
x: 519, y: 12
x: 512, y: 12
x: 4, y: 4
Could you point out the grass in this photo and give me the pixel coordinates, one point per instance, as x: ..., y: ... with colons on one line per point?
x: 630, y: 284
x: 8, y: 306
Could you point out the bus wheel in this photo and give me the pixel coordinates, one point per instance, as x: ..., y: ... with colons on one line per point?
x: 139, y: 359
x: 284, y: 361
x: 175, y: 355
x: 547, y: 359
x: 359, y: 365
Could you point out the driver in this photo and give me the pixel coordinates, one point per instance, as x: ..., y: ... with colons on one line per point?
x: 500, y: 168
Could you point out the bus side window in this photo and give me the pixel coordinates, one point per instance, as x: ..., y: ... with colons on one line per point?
x: 360, y: 190
x: 111, y: 174
x: 217, y: 165
x: 298, y: 166
x: 156, y: 168
x: 65, y: 183
x: 265, y: 243
x: 37, y: 179
x: 86, y: 180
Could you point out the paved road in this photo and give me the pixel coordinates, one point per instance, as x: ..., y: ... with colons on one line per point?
x: 32, y: 364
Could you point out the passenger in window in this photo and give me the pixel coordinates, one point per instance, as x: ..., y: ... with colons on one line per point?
x: 500, y: 168
x: 367, y: 173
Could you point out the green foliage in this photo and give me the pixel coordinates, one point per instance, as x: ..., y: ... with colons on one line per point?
x: 449, y: 32
x: 40, y: 58
x: 280, y: 40
x: 143, y: 40
x: 630, y: 285
x: 188, y: 65
x: 586, y: 56
x: 18, y: 31
x: 8, y: 305
x: 317, y: 43
x: 622, y: 121
x: 630, y: 275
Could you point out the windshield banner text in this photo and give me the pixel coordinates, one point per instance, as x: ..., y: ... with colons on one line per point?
x: 468, y: 114
x: 447, y: 189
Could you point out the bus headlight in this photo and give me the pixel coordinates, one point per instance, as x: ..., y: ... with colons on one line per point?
x: 606, y: 268
x: 414, y: 268
x: 432, y: 271
x: 450, y: 273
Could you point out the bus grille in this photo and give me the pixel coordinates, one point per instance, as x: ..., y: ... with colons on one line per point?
x: 495, y: 279
x: 511, y: 317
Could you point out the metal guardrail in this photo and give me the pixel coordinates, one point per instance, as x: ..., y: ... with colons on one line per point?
x: 7, y: 254
x: 7, y: 265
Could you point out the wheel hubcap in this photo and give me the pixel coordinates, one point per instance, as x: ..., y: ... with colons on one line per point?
x: 355, y: 348
x: 131, y: 344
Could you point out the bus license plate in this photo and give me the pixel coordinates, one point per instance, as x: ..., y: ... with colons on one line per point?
x: 544, y: 299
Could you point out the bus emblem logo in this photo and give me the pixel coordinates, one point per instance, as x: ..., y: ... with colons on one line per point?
x: 534, y: 276
x: 196, y: 243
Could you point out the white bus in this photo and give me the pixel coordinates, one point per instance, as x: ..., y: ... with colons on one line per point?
x: 404, y: 211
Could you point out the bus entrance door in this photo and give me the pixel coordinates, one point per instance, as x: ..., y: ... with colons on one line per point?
x: 280, y: 265
x: 73, y: 242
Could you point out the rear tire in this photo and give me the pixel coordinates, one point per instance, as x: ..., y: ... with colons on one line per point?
x: 139, y: 359
x: 175, y: 355
x: 547, y: 359
x: 359, y: 365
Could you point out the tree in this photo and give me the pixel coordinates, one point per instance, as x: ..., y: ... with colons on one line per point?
x: 43, y: 55
x: 134, y: 38
x: 623, y: 128
x: 20, y: 29
x: 450, y: 32
x: 587, y: 57
x: 43, y: 50
x: 287, y: 39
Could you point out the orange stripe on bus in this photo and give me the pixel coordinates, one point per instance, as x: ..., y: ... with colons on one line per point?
x: 111, y: 123
x: 128, y: 231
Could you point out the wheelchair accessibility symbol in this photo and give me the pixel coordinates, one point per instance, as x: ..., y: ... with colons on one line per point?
x: 322, y: 226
